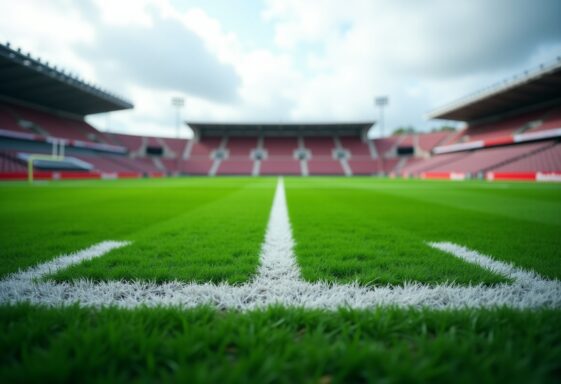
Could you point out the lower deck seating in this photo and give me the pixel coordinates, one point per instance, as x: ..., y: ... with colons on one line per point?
x: 196, y: 166
x: 172, y: 165
x: 106, y: 163
x: 428, y: 141
x: 235, y: 167
x: 530, y: 157
x: 486, y: 159
x: 131, y: 142
x: 324, y: 167
x: 365, y: 166
x: 9, y: 163
x: 280, y: 146
x: 241, y: 146
x: 280, y: 166
x: 279, y: 156
x: 320, y: 146
x: 205, y: 147
x: 384, y: 145
x: 177, y: 146
x: 415, y: 169
x: 355, y: 146
x: 548, y: 160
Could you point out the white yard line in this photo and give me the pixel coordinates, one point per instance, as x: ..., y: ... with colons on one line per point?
x: 278, y: 281
x: 508, y: 270
x: 65, y: 261
x: 278, y: 263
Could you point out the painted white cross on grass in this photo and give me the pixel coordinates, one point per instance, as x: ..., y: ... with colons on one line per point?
x: 279, y: 282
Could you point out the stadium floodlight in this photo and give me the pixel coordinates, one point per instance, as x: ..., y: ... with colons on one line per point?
x: 381, y: 102
x: 178, y: 103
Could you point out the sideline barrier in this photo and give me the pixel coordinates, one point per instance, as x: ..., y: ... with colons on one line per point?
x: 524, y: 176
x: 496, y: 176
x: 69, y: 175
x: 443, y: 176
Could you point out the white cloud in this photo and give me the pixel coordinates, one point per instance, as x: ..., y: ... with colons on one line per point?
x: 326, y: 61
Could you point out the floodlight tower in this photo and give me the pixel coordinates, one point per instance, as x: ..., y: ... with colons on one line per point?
x: 381, y: 102
x: 178, y: 103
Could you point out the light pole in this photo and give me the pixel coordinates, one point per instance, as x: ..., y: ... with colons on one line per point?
x: 381, y: 102
x: 178, y: 103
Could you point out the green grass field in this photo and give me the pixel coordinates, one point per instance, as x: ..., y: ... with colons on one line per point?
x: 372, y: 231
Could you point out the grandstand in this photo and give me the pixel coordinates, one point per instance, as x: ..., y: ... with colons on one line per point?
x: 41, y: 105
x: 512, y: 132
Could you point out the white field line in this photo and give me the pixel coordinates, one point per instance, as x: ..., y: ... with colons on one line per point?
x: 65, y: 261
x: 279, y: 282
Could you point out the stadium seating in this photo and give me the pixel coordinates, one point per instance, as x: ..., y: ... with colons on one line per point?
x: 177, y: 146
x: 280, y: 146
x: 131, y: 142
x: 321, y: 161
x: 235, y: 166
x: 239, y: 161
x: 205, y: 147
x: 488, y: 158
x: 9, y: 163
x: 320, y: 146
x: 389, y: 165
x: 384, y: 145
x: 196, y: 166
x: 51, y: 125
x: 416, y: 168
x: 9, y: 120
x: 107, y: 163
x: 199, y: 161
x: 407, y: 141
x: 512, y: 125
x: 355, y: 146
x: 548, y: 160
x: 365, y: 166
x: 279, y: 152
x: 428, y: 141
x: 241, y: 146
x: 324, y: 167
x: 27, y: 120
x: 552, y: 120
x: 280, y: 158
x: 280, y: 166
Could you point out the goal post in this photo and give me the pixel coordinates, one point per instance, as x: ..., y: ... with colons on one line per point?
x: 56, y: 155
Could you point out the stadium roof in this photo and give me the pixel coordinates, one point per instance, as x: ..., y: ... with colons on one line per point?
x: 23, y: 78
x: 280, y: 129
x: 539, y: 86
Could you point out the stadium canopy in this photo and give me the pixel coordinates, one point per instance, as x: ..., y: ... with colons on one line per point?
x: 539, y: 87
x: 280, y: 130
x: 29, y: 80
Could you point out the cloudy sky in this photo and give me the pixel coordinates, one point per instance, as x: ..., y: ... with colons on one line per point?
x: 284, y: 60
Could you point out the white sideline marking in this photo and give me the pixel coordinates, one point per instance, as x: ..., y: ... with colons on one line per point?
x: 65, y: 261
x: 278, y: 281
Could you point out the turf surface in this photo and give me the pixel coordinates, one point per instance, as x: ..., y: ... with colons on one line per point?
x: 278, y: 345
x: 376, y: 231
x: 204, y: 229
x: 181, y: 229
